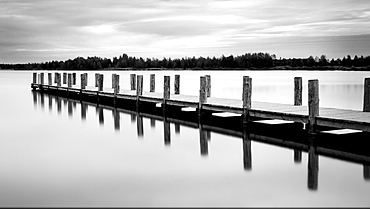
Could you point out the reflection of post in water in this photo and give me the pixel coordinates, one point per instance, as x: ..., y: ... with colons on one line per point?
x: 313, y: 167
x: 83, y: 110
x: 167, y: 132
x: 59, y: 104
x: 297, y: 156
x: 177, y: 128
x: 116, y: 119
x: 247, y: 149
x: 101, y: 115
x: 133, y: 118
x: 152, y: 122
x: 367, y: 172
x: 70, y: 111
x: 50, y: 102
x: 42, y: 101
x: 34, y: 95
x: 203, y: 141
x: 139, y: 124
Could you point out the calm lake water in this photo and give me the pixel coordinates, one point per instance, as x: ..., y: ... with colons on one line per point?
x: 53, y: 156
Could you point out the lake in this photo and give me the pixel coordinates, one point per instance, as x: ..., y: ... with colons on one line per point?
x: 52, y: 155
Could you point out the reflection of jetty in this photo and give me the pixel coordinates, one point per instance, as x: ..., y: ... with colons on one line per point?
x: 312, y: 115
x: 290, y: 135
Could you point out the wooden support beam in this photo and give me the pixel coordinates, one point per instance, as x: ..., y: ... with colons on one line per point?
x: 152, y: 82
x: 298, y: 91
x: 313, y: 104
x: 247, y: 97
x: 50, y: 79
x: 208, y: 85
x: 366, y: 107
x: 177, y: 84
x: 100, y: 82
x: 133, y: 81
x: 64, y: 78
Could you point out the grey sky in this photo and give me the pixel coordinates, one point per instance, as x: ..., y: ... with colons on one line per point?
x: 45, y: 30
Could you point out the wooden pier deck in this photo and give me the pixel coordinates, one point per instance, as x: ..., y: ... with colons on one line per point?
x: 312, y: 114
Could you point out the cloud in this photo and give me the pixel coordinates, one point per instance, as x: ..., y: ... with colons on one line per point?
x: 41, y: 30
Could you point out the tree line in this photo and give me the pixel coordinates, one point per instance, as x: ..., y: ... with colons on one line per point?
x: 246, y: 61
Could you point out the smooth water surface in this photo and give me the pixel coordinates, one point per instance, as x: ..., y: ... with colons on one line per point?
x: 51, y: 154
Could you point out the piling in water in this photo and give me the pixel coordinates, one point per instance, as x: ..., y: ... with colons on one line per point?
x: 152, y: 82
x: 133, y: 81
x: 177, y: 84
x: 313, y: 104
x: 366, y: 107
x: 298, y: 91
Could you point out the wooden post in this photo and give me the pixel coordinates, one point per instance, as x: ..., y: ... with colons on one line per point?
x: 166, y: 89
x: 73, y: 78
x: 298, y: 91
x: 34, y: 80
x: 100, y: 82
x: 366, y: 172
x: 96, y: 79
x: 247, y: 97
x: 133, y: 81
x: 202, y: 94
x: 59, y: 79
x: 50, y: 79
x: 83, y: 81
x: 177, y: 84
x: 64, y: 78
x: 42, y: 78
x: 86, y: 80
x: 55, y: 77
x: 208, y: 85
x: 313, y: 104
x: 116, y: 84
x: 366, y: 95
x: 113, y: 80
x: 152, y: 82
x: 69, y: 82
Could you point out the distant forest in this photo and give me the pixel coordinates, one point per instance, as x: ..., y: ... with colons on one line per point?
x: 246, y: 61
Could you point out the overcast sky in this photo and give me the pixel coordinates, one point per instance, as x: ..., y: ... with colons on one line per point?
x: 45, y: 30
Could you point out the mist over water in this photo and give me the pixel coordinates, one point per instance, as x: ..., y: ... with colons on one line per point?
x: 60, y: 152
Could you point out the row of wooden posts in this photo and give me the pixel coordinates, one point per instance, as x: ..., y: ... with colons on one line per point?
x: 136, y: 83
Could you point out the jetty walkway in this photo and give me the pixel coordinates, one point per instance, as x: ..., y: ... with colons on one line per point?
x: 311, y: 115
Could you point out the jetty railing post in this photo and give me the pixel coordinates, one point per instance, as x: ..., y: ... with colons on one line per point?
x: 69, y: 82
x: 313, y: 104
x: 83, y: 81
x: 64, y: 78
x: 366, y: 107
x: 202, y: 94
x: 96, y: 79
x: 152, y: 82
x: 298, y: 91
x: 34, y: 79
x: 133, y: 81
x: 58, y: 79
x: 100, y: 82
x: 208, y: 85
x: 42, y: 78
x: 177, y: 84
x: 50, y: 79
x: 166, y: 89
x: 73, y: 78
x: 247, y: 97
x: 139, y: 89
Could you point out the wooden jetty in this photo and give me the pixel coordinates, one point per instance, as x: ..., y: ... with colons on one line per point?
x: 312, y: 115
